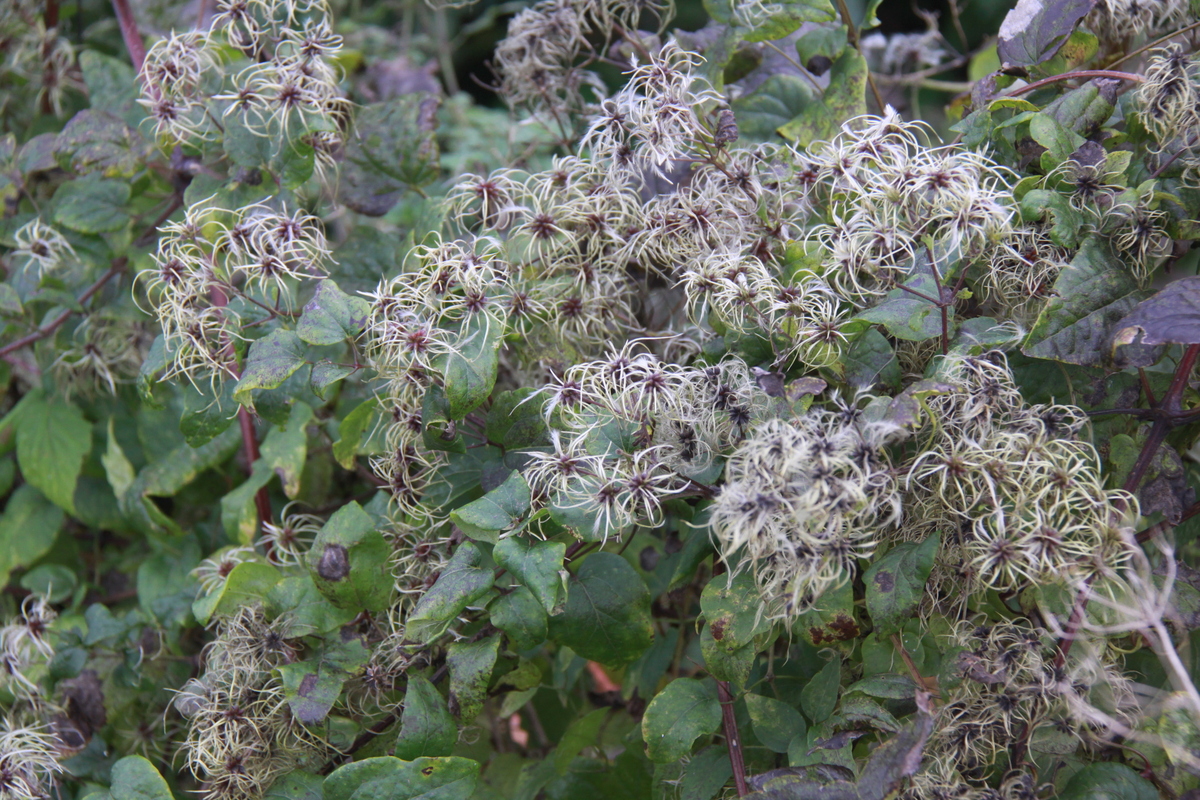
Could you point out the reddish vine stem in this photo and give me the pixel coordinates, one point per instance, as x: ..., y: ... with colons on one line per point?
x: 1155, y: 43
x: 131, y: 34
x: 732, y: 740
x: 262, y: 500
x: 1171, y: 404
x: 729, y: 721
x: 118, y: 266
x: 1081, y: 73
x: 1163, y: 167
x: 1164, y: 526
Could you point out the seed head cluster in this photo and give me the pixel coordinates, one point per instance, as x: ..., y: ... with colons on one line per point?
x: 283, y: 87
x: 1018, y: 496
x: 217, y: 269
x: 803, y: 501
x: 1005, y: 685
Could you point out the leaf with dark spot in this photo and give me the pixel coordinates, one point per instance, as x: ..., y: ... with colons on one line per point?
x: 334, y: 564
x: 896, y: 582
x: 1170, y: 317
x: 348, y: 561
x: 1035, y: 29
x: 311, y: 689
x: 831, y: 619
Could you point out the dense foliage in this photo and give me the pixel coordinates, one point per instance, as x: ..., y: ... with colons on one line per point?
x: 699, y: 424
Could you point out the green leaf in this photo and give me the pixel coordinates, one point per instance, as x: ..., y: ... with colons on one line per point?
x: 52, y: 581
x: 1059, y: 141
x: 469, y: 371
x: 392, y: 147
x: 348, y: 561
x: 780, y: 99
x: 461, y: 583
x: 719, y: 55
x: 734, y: 611
x: 387, y: 778
x: 246, y: 584
x: 581, y: 733
x: 705, y: 774
x: 775, y: 723
x: 439, y: 430
x: 53, y: 439
x: 1066, y: 222
x: 366, y: 256
x: 165, y: 586
x: 351, y: 430
x: 103, y: 626
x: 345, y: 650
x: 309, y: 612
x: 496, y: 512
x: 889, y: 686
x: 820, y: 695
x: 98, y: 142
x: 92, y: 204
x: 152, y: 367
x: 296, y: 785
x: 521, y: 616
x: 239, y: 515
x: 206, y: 416
x: 844, y: 98
x: 311, y: 689
x: 896, y: 582
x: 827, y: 41
x: 426, y: 727
x: 820, y: 747
x: 1085, y: 109
x: 325, y: 373
x: 789, y: 16
x: 871, y: 360
x: 135, y: 778
x: 285, y: 450
x: 1108, y: 781
x: 111, y: 85
x: 471, y: 665
x: 537, y: 565
x: 165, y: 476
x: 907, y: 316
x: 29, y: 525
x: 696, y: 548
x: 10, y: 301
x: 1035, y: 29
x: 678, y: 715
x: 515, y: 420
x: 607, y: 615
x: 272, y: 361
x: 860, y: 710
x: 1091, y: 295
x: 332, y: 316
